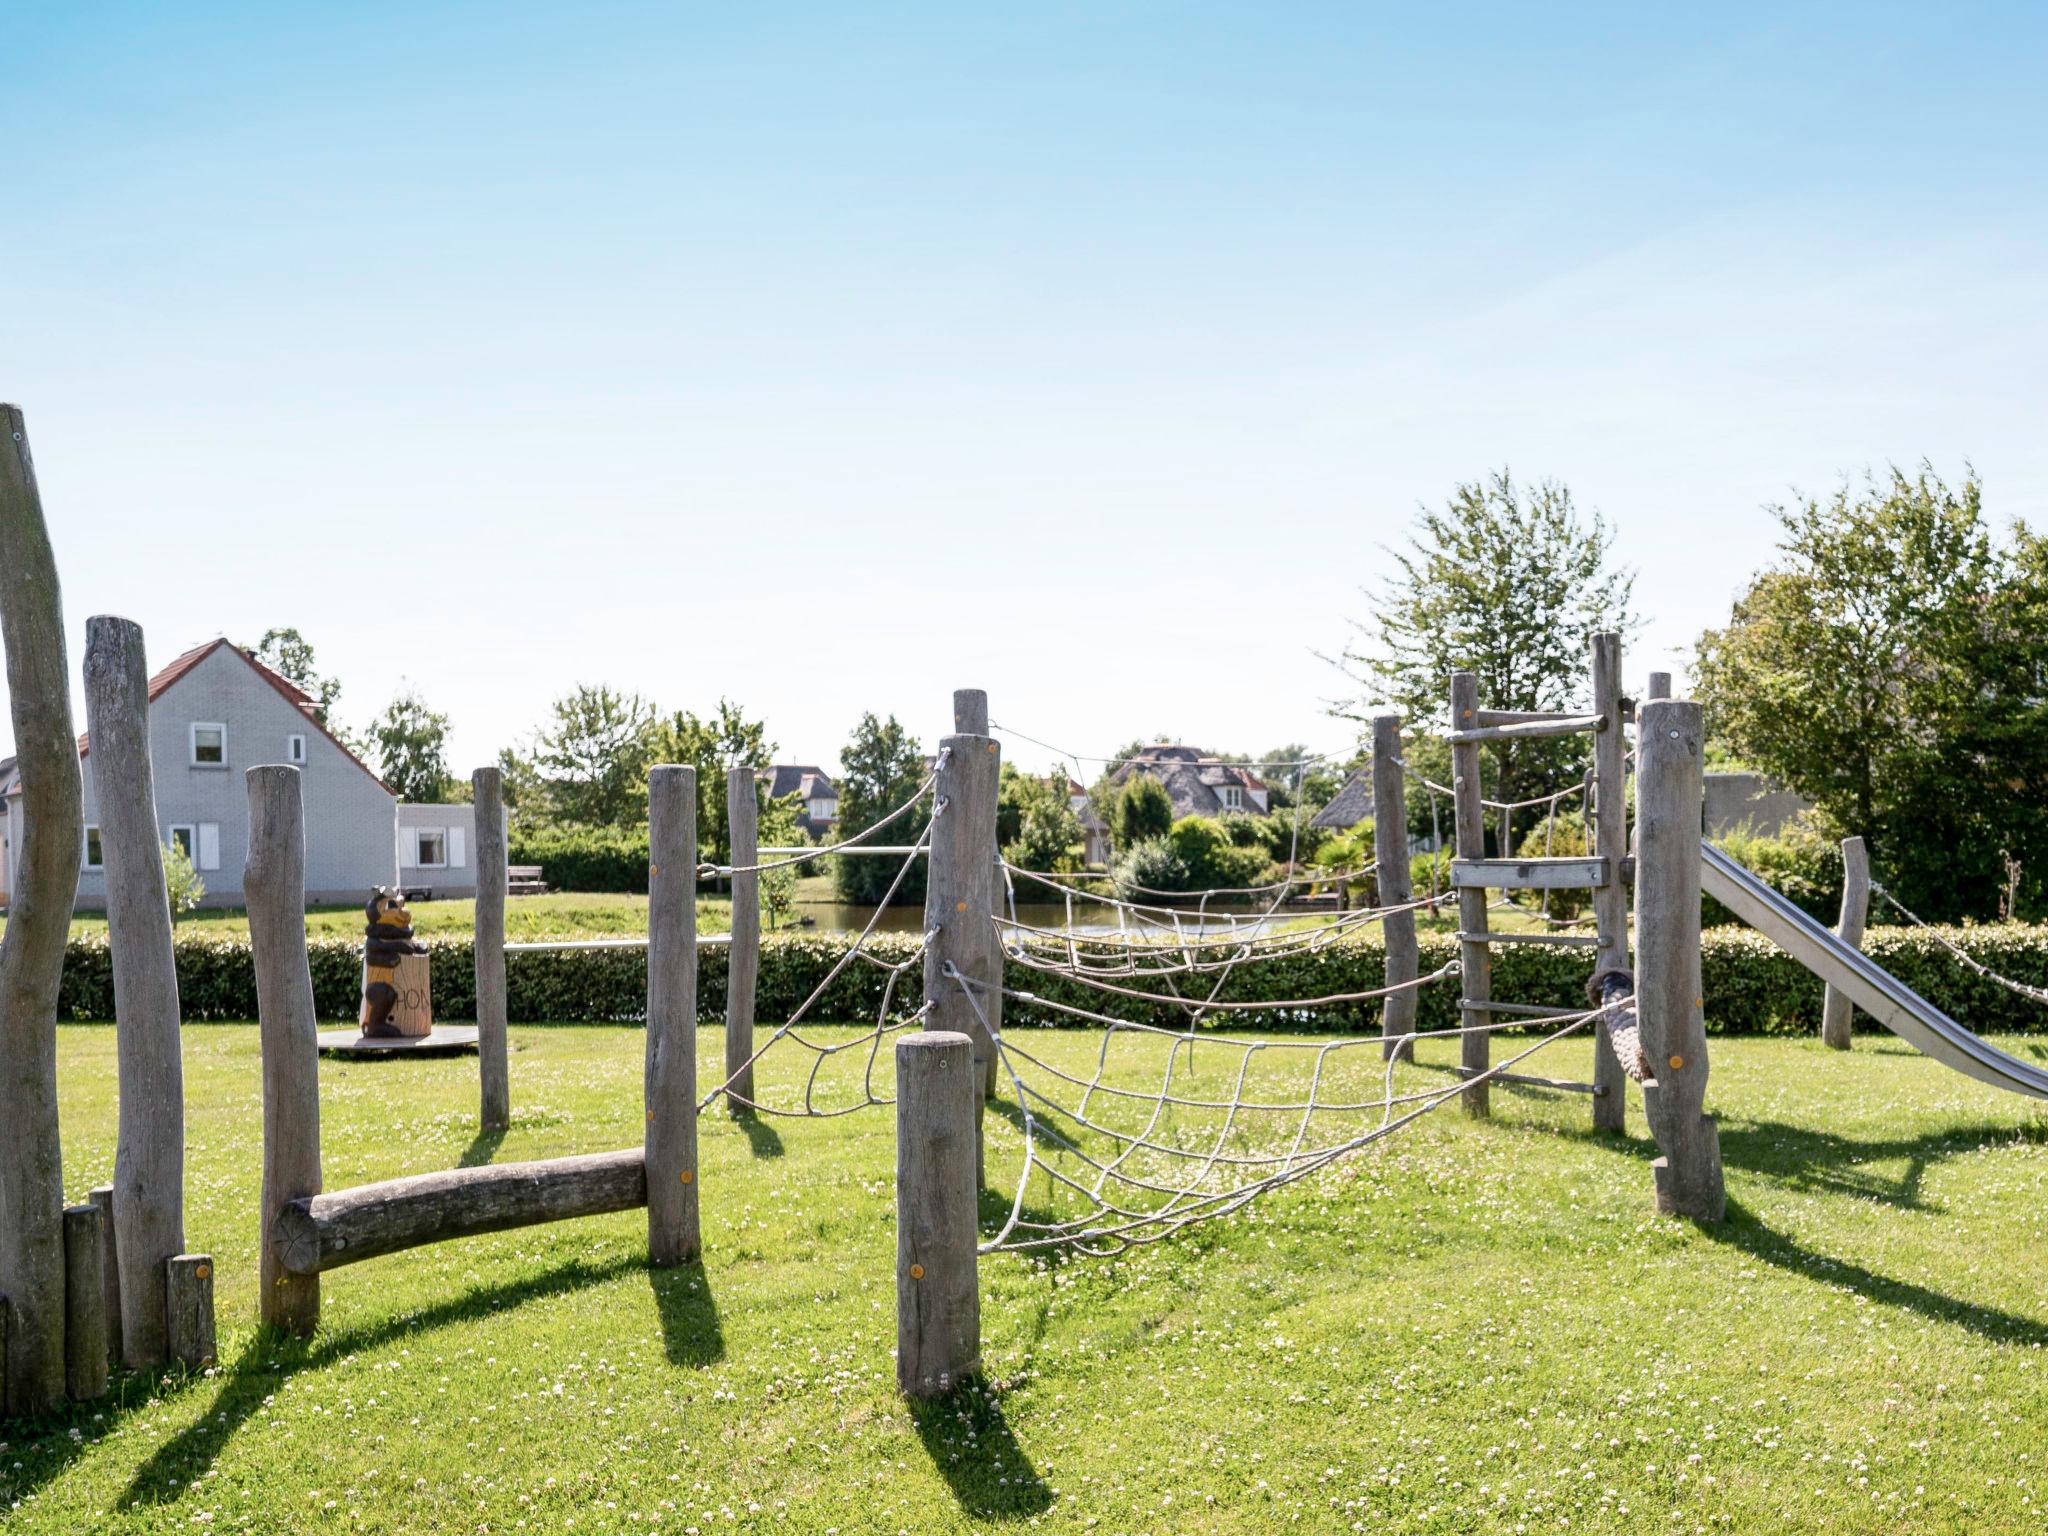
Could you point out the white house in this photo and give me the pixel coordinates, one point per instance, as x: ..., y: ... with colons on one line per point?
x: 213, y: 713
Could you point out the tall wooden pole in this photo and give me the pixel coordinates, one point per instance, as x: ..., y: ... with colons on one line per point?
x: 1391, y: 874
x: 149, y: 1153
x: 1610, y: 901
x: 671, y: 1076
x: 85, y: 1304
x: 970, y: 718
x: 1837, y: 1011
x: 743, y: 958
x: 959, y: 895
x: 938, y: 1286
x: 38, y: 925
x: 1669, y: 792
x: 274, y: 884
x: 1475, y: 959
x: 494, y: 1073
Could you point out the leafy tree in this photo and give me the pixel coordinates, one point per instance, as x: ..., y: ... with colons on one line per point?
x: 183, y: 887
x: 1890, y: 668
x: 880, y: 768
x: 410, y: 742
x: 778, y: 829
x: 1141, y: 810
x: 592, y: 757
x: 1506, y: 582
x: 290, y: 655
x: 713, y: 745
x: 1047, y: 830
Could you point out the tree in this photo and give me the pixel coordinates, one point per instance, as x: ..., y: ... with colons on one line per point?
x: 1505, y: 582
x: 1142, y: 810
x: 880, y: 768
x: 1889, y: 668
x: 290, y: 655
x: 1285, y: 769
x: 778, y: 829
x: 1047, y: 829
x: 592, y: 757
x: 712, y: 746
x: 183, y: 888
x: 411, y: 746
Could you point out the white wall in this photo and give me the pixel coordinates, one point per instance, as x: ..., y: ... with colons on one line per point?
x: 457, y: 826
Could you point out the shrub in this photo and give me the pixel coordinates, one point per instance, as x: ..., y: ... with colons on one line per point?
x: 1213, y: 861
x: 1141, y: 809
x: 1150, y: 865
x: 1801, y: 862
x: 574, y: 858
x: 1557, y: 837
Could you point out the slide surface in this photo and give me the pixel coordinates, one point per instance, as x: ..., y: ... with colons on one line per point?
x: 1871, y: 987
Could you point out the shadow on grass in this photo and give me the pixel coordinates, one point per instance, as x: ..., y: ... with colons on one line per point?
x: 1823, y: 1162
x: 1743, y: 1230
x: 690, y: 1330
x: 763, y: 1140
x: 972, y: 1448
x: 272, y: 1358
x: 481, y: 1149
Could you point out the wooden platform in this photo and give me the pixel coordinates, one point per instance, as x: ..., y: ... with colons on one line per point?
x: 446, y: 1040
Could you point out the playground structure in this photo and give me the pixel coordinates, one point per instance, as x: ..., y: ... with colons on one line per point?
x: 1120, y: 1166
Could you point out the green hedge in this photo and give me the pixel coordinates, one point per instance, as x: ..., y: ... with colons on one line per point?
x: 585, y: 858
x: 1751, y: 986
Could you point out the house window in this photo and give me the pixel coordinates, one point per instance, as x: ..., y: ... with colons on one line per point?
x: 186, y: 838
x: 1233, y: 798
x: 429, y: 848
x: 209, y: 744
x: 295, y: 749
x: 92, y: 849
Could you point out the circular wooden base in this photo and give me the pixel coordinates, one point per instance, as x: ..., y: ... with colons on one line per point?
x: 446, y: 1040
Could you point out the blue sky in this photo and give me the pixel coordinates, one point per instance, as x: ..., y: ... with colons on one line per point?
x: 831, y: 358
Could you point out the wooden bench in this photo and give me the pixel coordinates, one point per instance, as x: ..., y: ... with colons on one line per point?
x: 525, y: 880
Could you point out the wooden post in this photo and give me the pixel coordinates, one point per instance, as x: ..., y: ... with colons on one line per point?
x: 970, y: 718
x: 102, y: 1196
x: 274, y: 884
x: 1669, y: 790
x: 1836, y: 1010
x: 671, y: 1078
x: 1474, y: 957
x: 1659, y: 687
x: 959, y: 896
x: 85, y: 1304
x: 494, y: 1074
x: 1390, y: 867
x: 1609, y: 828
x: 743, y: 957
x: 149, y: 1155
x: 938, y: 1286
x: 38, y: 926
x: 188, y: 1310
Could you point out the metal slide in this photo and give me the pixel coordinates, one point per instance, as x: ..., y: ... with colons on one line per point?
x: 1869, y: 985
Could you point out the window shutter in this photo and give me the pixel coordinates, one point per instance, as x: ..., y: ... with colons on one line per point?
x: 409, y: 847
x: 458, y: 855
x: 209, y: 845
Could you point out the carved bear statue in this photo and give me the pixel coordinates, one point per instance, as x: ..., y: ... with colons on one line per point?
x: 388, y: 941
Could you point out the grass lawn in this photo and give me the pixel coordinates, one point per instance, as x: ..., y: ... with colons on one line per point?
x: 560, y: 915
x: 1477, y: 1326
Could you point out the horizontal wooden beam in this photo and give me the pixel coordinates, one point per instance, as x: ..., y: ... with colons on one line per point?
x: 1528, y: 874
x: 1561, y: 940
x: 1520, y: 1010
x: 1556, y: 1084
x: 348, y: 1225
x: 1532, y: 730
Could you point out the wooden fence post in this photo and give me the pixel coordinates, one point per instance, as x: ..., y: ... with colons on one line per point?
x: 970, y: 718
x: 85, y: 1304
x: 1659, y: 686
x: 959, y: 898
x: 494, y: 1074
x: 188, y: 1313
x: 938, y: 1285
x: 1475, y: 959
x: 1609, y: 827
x: 1836, y: 1010
x: 1669, y: 790
x: 1390, y: 869
x: 274, y: 884
x: 149, y: 1155
x: 743, y: 957
x: 102, y: 1195
x: 671, y: 1077
x: 38, y: 927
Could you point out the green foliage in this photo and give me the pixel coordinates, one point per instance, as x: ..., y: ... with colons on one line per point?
x: 713, y: 746
x: 881, y: 767
x: 290, y: 655
x: 1561, y: 835
x: 1139, y: 810
x: 410, y: 742
x: 1047, y: 833
x: 584, y: 858
x: 1890, y: 669
x: 182, y: 886
x: 590, y: 762
x: 1211, y: 859
x: 1350, y: 853
x: 1802, y: 862
x: 777, y: 828
x: 1150, y: 865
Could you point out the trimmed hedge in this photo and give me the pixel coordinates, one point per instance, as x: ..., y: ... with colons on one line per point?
x: 1752, y: 987
x: 585, y: 859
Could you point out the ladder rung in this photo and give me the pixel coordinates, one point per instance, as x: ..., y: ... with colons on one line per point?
x: 1528, y: 874
x: 1531, y: 730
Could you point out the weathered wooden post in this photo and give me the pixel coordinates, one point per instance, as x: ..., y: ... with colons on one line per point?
x: 149, y: 1155
x: 102, y: 1195
x: 494, y: 1075
x: 274, y: 884
x: 1669, y: 789
x: 743, y: 956
x: 85, y: 1304
x: 1608, y: 816
x: 38, y: 925
x: 1659, y: 686
x: 188, y: 1315
x: 938, y: 1284
x: 671, y: 1076
x: 970, y: 718
x: 1475, y: 959
x: 1390, y: 869
x: 1836, y: 1010
x: 959, y: 896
